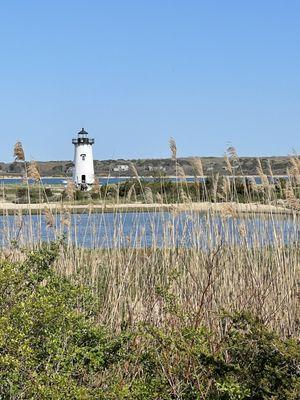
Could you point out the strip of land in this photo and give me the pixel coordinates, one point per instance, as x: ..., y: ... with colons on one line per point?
x: 157, y: 167
x: 227, y: 208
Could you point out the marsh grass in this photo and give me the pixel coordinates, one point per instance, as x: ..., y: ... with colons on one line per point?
x: 205, y: 264
x: 129, y: 280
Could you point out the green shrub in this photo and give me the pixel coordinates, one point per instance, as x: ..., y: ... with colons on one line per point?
x: 37, y: 194
x: 48, y: 192
x: 190, y: 363
x: 49, y: 347
x: 52, y: 348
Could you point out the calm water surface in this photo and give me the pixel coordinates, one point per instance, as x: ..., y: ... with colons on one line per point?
x: 102, y: 181
x: 134, y: 229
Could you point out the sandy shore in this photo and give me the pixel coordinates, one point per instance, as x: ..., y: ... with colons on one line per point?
x: 229, y: 208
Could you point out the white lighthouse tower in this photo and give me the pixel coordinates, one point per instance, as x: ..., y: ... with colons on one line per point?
x: 83, y: 161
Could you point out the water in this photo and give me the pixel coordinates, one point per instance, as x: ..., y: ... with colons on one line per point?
x: 57, y: 181
x: 109, y: 230
x: 111, y: 180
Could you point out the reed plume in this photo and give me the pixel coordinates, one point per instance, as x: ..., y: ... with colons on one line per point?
x: 180, y: 171
x: 294, y: 170
x: 19, y: 152
x: 226, y: 188
x: 232, y: 154
x: 291, y: 198
x: 263, y: 177
x: 96, y: 187
x: 252, y: 183
x: 70, y: 190
x: 148, y: 195
x: 270, y: 170
x: 19, y: 219
x: 50, y: 221
x: 228, y: 166
x: 159, y: 198
x: 130, y: 192
x: 133, y: 170
x: 215, y: 187
x: 115, y: 189
x: 196, y: 163
x: 183, y: 196
x: 229, y: 211
x: 173, y: 148
x: 65, y: 217
x: 33, y: 171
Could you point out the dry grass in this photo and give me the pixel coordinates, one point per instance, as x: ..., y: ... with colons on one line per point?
x: 209, y: 262
x: 126, y: 281
x: 206, y: 263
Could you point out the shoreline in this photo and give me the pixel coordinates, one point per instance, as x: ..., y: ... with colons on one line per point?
x: 10, y: 177
x: 225, y: 208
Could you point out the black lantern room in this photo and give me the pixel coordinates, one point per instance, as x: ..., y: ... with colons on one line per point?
x: 83, y: 138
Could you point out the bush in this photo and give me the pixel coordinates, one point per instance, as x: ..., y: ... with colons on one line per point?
x: 49, y: 347
x: 37, y: 194
x: 52, y: 348
x: 48, y: 192
x: 191, y: 363
x: 80, y: 195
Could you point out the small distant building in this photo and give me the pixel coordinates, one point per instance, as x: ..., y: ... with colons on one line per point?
x: 121, y: 168
x: 83, y: 172
x: 156, y: 168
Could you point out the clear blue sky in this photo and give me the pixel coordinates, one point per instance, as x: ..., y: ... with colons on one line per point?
x: 134, y: 73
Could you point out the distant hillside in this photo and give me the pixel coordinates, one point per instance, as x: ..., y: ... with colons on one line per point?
x: 150, y: 167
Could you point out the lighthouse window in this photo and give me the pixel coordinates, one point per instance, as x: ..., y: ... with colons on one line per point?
x: 83, y: 156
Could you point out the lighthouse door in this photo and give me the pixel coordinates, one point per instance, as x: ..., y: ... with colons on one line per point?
x: 82, y: 178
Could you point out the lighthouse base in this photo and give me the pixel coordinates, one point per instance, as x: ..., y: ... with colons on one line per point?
x: 85, y: 187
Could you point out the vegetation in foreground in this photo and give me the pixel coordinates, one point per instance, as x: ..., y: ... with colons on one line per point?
x: 52, y: 347
x: 188, y: 306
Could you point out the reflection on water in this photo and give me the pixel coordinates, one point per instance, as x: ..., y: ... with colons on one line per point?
x: 103, y: 230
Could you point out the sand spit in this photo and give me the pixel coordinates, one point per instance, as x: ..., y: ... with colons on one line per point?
x: 229, y: 208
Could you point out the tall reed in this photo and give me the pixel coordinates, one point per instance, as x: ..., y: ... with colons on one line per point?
x: 208, y: 263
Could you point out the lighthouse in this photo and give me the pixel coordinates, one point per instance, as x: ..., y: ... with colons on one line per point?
x: 83, y: 161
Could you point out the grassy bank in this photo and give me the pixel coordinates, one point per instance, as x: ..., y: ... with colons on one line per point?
x: 161, y: 190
